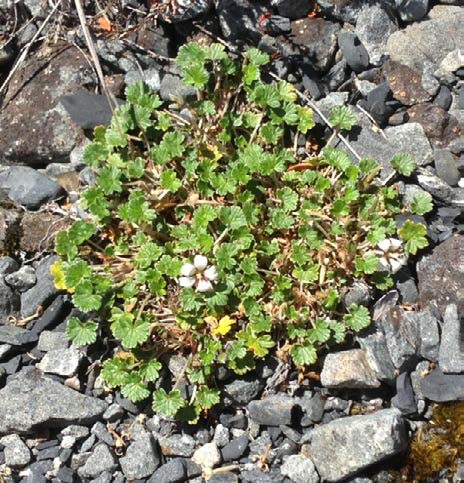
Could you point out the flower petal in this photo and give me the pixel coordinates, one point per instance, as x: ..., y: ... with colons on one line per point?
x: 395, y: 243
x: 384, y: 245
x: 186, y: 282
x: 395, y: 265
x: 211, y: 273
x: 200, y: 262
x: 187, y: 270
x: 204, y: 286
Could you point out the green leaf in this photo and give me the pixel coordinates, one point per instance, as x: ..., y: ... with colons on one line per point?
x: 94, y: 200
x: 191, y: 54
x: 76, y: 272
x: 207, y: 398
x: 95, y: 153
x: 404, y: 164
x: 129, y: 331
x: 141, y: 94
x: 368, y: 264
x: 134, y: 388
x: 115, y: 372
x: 414, y: 236
x: 216, y: 51
x: 85, y: 298
x: 81, y: 231
x: 306, y: 119
x: 150, y: 370
x: 421, y: 203
x: 232, y: 217
x: 338, y: 331
x: 358, y: 317
x: 342, y: 117
x: 258, y: 57
x: 148, y: 254
x: 289, y: 199
x: 196, y: 76
x: 320, y: 332
x: 137, y: 209
x: 167, y: 404
x: 65, y: 245
x: 81, y: 333
x: 303, y: 354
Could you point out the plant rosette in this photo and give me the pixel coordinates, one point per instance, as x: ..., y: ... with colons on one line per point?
x: 214, y: 233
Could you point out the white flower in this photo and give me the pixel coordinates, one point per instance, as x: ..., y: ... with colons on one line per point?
x: 198, y: 274
x: 391, y: 255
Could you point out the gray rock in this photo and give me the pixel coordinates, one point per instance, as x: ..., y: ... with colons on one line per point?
x: 221, y: 435
x: 428, y: 333
x: 22, y: 280
x: 406, y: 286
x: 76, y: 431
x: 377, y: 355
x: 30, y: 401
x: 441, y: 276
x: 293, y: 9
x: 172, y: 89
x: 404, y: 399
x: 345, y: 446
x: 27, y: 187
x: 113, y: 413
x: 173, y: 471
x: 239, y: 19
x: 186, y: 10
x: 207, y: 456
x: 299, y: 469
x: 312, y: 406
x: 101, y: 459
x: 438, y: 188
x: 63, y: 362
x: 450, y: 65
x: 8, y: 265
x: 242, y: 390
x: 149, y: 76
x: 5, y: 349
x: 353, y: 50
x: 50, y: 340
x: 446, y: 166
x: 177, y: 445
x: 359, y: 293
x: 43, y: 292
x: 412, y: 10
x: 17, y: 454
x: 16, y: 336
x: 102, y: 433
x: 9, y: 301
x: 348, y: 369
x: 374, y: 26
x: 234, y: 450
x: 273, y: 410
x: 443, y: 98
x: 411, y: 133
x: 440, y: 387
x: 451, y: 355
x: 225, y: 477
x: 141, y: 459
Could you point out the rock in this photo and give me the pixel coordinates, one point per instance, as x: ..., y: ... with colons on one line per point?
x: 30, y: 401
x: 43, y: 133
x: 401, y: 332
x: 9, y: 228
x: 412, y: 10
x: 173, y: 89
x: 7, y: 54
x: 88, y: 110
x: 186, y: 10
x: 239, y: 19
x: 359, y: 293
x: 113, y: 413
x: 102, y: 433
x: 38, y: 230
x: 377, y: 103
x: 49, y: 341
x: 173, y: 471
x: 428, y: 333
x: 9, y: 302
x: 313, y: 408
x: 446, y: 166
x: 293, y: 9
x: 27, y: 187
x: 348, y: 369
x: 177, y: 445
x: 225, y: 477
x: 443, y: 98
x: 275, y: 25
x: 5, y: 349
x: 141, y: 459
x: 242, y: 390
x: 235, y: 449
x: 439, y: 387
x: 63, y: 362
x: 406, y: 286
x: 17, y: 454
x: 374, y: 26
x: 221, y: 435
x: 299, y: 469
x: 101, y: 459
x: 273, y: 410
x: 53, y: 315
x: 207, y: 456
x: 42, y: 292
x: 357, y: 442
x: 411, y: 138
x: 423, y: 45
x: 404, y: 399
x: 451, y: 355
x: 149, y: 76
x: 23, y: 279
x: 16, y: 336
x: 435, y: 186
x: 316, y: 40
x: 441, y: 276
x: 405, y: 83
x: 353, y: 50
x: 450, y: 65
x: 8, y: 265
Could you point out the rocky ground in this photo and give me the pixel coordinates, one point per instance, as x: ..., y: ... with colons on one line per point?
x: 400, y: 64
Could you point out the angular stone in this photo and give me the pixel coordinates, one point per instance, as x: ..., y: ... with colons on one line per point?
x: 63, y: 362
x: 451, y: 355
x: 239, y: 19
x: 235, y: 449
x: 439, y: 387
x: 435, y: 186
x: 374, y: 26
x: 101, y: 459
x: 49, y: 341
x: 353, y: 50
x: 23, y: 279
x: 441, y: 276
x: 293, y: 9
x: 16, y: 336
x: 30, y: 401
x: 242, y: 390
x: 446, y: 166
x: 273, y: 410
x: 429, y: 334
x: 10, y: 232
x: 404, y: 399
x: 405, y: 83
x: 177, y: 445
x: 411, y: 133
x: 141, y: 458
x: 173, y: 471
x: 348, y: 369
x: 42, y: 132
x: 377, y: 355
x: 207, y: 456
x: 412, y: 10
x: 17, y: 454
x: 299, y: 469
x: 345, y: 446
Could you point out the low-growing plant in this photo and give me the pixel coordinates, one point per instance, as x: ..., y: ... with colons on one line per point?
x: 215, y: 235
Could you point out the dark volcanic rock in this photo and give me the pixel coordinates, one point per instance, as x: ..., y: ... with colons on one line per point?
x: 412, y: 10
x: 41, y: 132
x: 443, y: 98
x: 173, y: 471
x: 12, y: 335
x: 405, y: 83
x: 404, y: 399
x: 239, y: 19
x: 440, y: 387
x: 441, y: 275
x: 27, y: 187
x: 293, y: 9
x: 30, y: 401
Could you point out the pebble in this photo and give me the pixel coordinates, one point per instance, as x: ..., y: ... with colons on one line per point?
x: 443, y: 98
x: 141, y: 458
x: 63, y: 362
x: 173, y: 471
x: 221, y: 435
x: 23, y: 279
x: 17, y: 454
x: 102, y: 433
x: 177, y: 445
x: 234, y: 450
x: 353, y: 50
x: 300, y: 469
x: 451, y: 353
x: 439, y: 387
x: 404, y: 399
x: 113, y: 413
x: 101, y: 459
x: 412, y: 10
x: 242, y: 390
x: 207, y: 456
x: 273, y: 410
x: 293, y: 9
x: 446, y: 166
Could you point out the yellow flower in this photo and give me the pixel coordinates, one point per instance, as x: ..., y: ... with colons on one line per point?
x: 224, y: 326
x: 56, y: 270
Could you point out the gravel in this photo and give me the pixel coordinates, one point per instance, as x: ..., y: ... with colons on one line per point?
x: 273, y: 410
